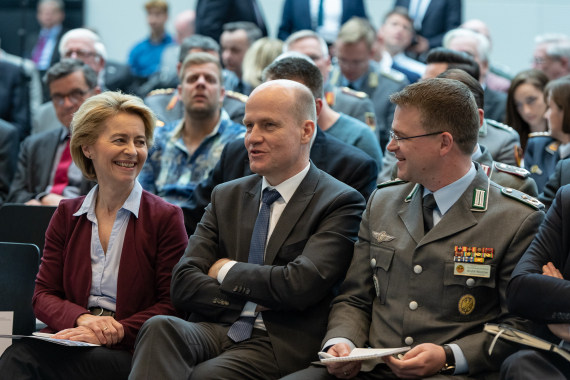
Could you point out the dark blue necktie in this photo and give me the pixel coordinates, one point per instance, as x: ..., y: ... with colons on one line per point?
x: 241, y: 329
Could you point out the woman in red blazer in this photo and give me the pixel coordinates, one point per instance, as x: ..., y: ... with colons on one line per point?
x: 108, y: 257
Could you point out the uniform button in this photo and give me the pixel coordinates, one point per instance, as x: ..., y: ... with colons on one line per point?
x: 247, y: 291
x: 413, y: 305
x: 215, y: 300
x: 239, y: 289
x: 236, y: 288
x: 409, y: 341
x: 373, y: 263
x: 470, y: 282
x: 418, y: 269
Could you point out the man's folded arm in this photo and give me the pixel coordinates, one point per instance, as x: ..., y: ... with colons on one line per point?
x: 303, y: 282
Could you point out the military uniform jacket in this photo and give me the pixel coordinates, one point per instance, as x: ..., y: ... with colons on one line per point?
x: 409, y: 266
x: 379, y: 85
x: 355, y: 104
x: 502, y: 141
x: 540, y: 158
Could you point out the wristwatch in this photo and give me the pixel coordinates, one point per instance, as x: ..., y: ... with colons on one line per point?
x: 449, y: 367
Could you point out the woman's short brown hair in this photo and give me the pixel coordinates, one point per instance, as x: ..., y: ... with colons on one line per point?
x: 512, y: 117
x: 559, y: 91
x: 89, y: 122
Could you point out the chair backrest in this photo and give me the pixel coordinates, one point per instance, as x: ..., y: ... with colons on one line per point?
x: 19, y: 265
x: 25, y: 224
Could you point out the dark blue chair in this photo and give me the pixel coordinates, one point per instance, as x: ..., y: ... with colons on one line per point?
x: 25, y: 224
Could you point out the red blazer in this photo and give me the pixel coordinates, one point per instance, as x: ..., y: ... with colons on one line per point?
x: 153, y: 245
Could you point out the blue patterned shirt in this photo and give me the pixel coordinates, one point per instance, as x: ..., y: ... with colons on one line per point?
x: 171, y: 172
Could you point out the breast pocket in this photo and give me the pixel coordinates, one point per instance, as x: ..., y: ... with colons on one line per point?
x: 467, y: 298
x: 380, y: 260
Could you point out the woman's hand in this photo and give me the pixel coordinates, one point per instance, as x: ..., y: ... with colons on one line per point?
x: 78, y: 334
x: 107, y: 330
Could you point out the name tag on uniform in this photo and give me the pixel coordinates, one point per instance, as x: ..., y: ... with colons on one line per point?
x: 472, y: 270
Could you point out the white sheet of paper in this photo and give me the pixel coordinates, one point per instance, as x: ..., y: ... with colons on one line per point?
x: 6, y: 322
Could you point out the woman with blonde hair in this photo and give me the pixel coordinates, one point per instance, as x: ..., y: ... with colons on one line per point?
x: 260, y: 55
x: 108, y: 256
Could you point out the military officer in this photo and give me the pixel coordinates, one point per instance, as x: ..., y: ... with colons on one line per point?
x: 541, y: 156
x: 502, y: 141
x: 357, y: 71
x: 434, y: 253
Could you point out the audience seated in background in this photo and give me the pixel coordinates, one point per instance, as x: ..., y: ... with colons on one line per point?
x: 345, y: 100
x: 186, y: 150
x: 397, y: 33
x: 541, y: 278
x: 166, y: 103
x: 478, y: 47
x: 357, y: 70
x: 499, y: 76
x: 404, y: 286
x: 86, y: 46
x: 526, y: 105
x: 258, y: 57
x: 560, y: 177
x: 543, y: 152
x: 14, y: 104
x: 270, y: 306
x: 432, y: 19
x: 236, y: 39
x: 184, y: 24
x: 552, y: 55
x: 9, y: 146
x: 344, y: 162
x: 144, y: 58
x: 130, y: 241
x: 46, y: 173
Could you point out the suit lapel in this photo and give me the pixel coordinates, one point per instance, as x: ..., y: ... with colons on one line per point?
x: 293, y: 211
x: 47, y: 149
x: 412, y: 215
x: 250, y: 209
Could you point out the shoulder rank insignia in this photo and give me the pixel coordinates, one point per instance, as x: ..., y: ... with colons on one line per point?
x: 519, y: 172
x: 237, y: 95
x: 350, y: 91
x: 502, y: 126
x: 553, y: 147
x: 161, y: 91
x: 393, y: 74
x: 393, y: 182
x: 534, y: 169
x: 538, y: 134
x: 522, y: 197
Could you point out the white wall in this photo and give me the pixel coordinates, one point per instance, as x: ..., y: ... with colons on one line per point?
x: 513, y: 23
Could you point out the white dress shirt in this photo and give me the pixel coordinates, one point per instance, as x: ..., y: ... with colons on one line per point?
x: 417, y: 11
x: 332, y: 16
x: 286, y: 189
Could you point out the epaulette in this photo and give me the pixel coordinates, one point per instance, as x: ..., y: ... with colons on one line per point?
x: 393, y: 74
x: 393, y: 182
x: 510, y: 169
x: 538, y: 134
x: 522, y: 197
x: 351, y: 92
x: 237, y: 95
x: 502, y: 126
x: 161, y: 91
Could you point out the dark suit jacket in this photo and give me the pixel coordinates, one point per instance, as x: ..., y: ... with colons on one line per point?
x: 211, y: 15
x: 154, y: 242
x: 118, y: 77
x: 532, y: 295
x: 14, y: 104
x: 540, y: 159
x: 560, y: 177
x: 308, y: 252
x: 344, y: 162
x: 441, y: 16
x: 9, y: 145
x: 495, y: 104
x: 297, y: 15
x: 35, y: 163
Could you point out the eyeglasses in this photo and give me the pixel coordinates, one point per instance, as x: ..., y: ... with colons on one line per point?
x: 352, y: 63
x: 397, y: 139
x: 74, y: 96
x: 81, y: 54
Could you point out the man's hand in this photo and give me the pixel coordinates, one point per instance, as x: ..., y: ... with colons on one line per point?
x: 78, y: 334
x: 343, y: 370
x: 213, y: 272
x: 52, y: 200
x: 107, y: 330
x: 423, y: 360
x: 421, y: 46
x: 33, y: 202
x: 551, y: 271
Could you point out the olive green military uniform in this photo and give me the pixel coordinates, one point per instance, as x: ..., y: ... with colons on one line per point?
x: 168, y: 107
x: 355, y: 104
x: 502, y: 141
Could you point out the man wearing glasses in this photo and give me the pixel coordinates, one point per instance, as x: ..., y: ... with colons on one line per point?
x: 46, y: 173
x: 435, y: 250
x: 552, y: 55
x: 357, y: 71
